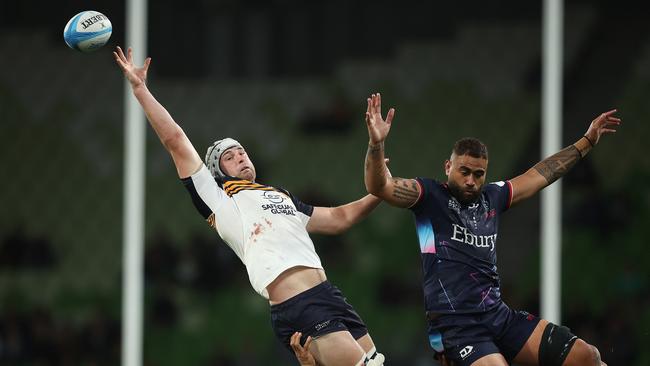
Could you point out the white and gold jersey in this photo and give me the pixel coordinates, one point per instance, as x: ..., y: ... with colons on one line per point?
x: 264, y: 226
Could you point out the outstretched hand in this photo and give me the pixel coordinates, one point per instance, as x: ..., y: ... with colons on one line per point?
x: 603, y: 124
x: 378, y: 128
x: 302, y: 352
x: 136, y: 75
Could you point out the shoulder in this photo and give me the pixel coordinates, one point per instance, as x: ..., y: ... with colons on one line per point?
x: 286, y: 192
x: 428, y: 182
x: 201, y: 178
x: 499, y: 192
x: 431, y: 191
x: 430, y: 185
x: 498, y: 186
x: 305, y: 208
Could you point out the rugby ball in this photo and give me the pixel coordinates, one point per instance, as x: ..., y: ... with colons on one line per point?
x: 87, y: 31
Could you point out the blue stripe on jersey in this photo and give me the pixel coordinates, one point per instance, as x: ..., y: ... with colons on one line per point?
x: 426, y: 235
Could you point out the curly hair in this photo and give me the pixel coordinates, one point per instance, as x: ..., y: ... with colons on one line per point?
x: 470, y: 146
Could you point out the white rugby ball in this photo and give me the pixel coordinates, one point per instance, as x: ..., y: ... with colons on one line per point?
x: 87, y: 31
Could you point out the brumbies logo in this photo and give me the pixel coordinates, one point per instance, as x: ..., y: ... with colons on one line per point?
x: 273, y: 197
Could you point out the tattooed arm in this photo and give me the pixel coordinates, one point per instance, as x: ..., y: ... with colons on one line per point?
x: 398, y: 192
x: 379, y: 182
x: 554, y: 167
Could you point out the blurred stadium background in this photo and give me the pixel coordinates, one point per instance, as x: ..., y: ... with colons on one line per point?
x: 289, y: 79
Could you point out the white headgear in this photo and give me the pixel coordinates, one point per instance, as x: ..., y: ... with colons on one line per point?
x: 214, y: 154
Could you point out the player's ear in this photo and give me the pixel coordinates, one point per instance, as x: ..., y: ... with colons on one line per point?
x: 447, y: 166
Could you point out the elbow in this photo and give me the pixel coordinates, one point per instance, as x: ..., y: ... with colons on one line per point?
x: 342, y: 227
x: 376, y: 191
x: 373, y: 189
x: 330, y: 229
x: 341, y: 221
x: 174, y: 141
x: 369, y: 187
x: 338, y: 230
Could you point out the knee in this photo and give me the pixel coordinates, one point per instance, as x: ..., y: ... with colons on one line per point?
x: 583, y: 353
x: 596, y: 356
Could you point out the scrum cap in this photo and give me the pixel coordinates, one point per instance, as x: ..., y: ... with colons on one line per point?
x: 214, y: 154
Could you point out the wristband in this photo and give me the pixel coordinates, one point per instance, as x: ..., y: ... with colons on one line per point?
x: 589, y: 140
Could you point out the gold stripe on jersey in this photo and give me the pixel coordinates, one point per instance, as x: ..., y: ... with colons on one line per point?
x: 237, y: 190
x: 235, y: 186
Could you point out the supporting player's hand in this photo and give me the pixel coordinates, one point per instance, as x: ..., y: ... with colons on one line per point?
x: 302, y: 352
x: 137, y: 76
x: 440, y: 357
x: 378, y: 128
x: 605, y: 123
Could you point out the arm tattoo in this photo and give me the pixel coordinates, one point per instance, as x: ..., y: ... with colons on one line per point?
x: 374, y: 149
x: 374, y: 153
x: 403, y: 191
x: 555, y: 166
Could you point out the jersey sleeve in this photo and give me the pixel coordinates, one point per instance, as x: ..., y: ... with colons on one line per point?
x: 501, y: 194
x: 206, y: 194
x: 426, y: 187
x: 305, y: 208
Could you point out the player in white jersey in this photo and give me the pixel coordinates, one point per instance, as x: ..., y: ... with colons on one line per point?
x: 267, y: 228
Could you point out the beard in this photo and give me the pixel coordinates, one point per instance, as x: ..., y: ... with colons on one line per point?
x: 463, y: 195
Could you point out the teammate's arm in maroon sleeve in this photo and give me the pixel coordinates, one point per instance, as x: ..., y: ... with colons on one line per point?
x: 554, y: 167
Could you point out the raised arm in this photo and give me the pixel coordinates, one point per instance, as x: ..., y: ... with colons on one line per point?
x: 554, y: 167
x: 171, y: 135
x: 398, y: 192
x: 335, y: 220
